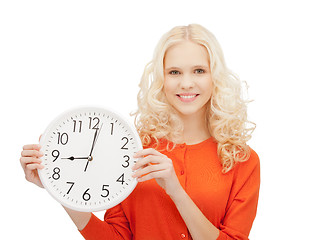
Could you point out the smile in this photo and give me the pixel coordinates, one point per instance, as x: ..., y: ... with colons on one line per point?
x: 187, y: 97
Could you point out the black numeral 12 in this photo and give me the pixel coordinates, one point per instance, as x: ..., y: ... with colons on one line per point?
x: 93, y: 121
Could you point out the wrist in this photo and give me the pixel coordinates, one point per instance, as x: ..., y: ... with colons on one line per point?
x: 178, y: 194
x: 80, y: 219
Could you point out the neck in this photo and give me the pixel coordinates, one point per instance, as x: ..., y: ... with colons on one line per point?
x: 195, y: 129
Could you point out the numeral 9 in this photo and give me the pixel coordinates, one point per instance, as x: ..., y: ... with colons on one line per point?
x: 55, y: 154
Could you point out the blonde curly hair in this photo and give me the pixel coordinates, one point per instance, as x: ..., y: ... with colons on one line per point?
x: 226, y: 114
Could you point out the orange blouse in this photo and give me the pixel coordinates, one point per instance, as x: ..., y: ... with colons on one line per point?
x: 229, y: 201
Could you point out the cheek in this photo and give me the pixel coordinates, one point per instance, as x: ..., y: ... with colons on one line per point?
x: 168, y: 87
x: 208, y: 86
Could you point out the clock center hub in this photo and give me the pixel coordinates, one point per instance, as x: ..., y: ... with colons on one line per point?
x: 90, y: 158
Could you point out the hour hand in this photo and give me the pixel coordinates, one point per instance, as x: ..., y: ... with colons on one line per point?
x: 73, y: 158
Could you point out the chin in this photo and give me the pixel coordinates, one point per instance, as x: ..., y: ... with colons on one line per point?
x: 187, y: 112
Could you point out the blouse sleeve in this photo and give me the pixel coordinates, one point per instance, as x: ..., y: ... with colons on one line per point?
x: 241, y: 210
x: 114, y: 226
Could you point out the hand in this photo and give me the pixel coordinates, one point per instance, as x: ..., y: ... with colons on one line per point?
x: 73, y: 158
x: 30, y: 162
x: 158, y: 166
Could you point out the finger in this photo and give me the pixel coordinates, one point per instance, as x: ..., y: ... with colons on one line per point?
x: 149, y: 159
x: 147, y: 151
x: 150, y: 168
x: 152, y: 175
x: 31, y: 153
x: 32, y: 147
x: 31, y: 173
x: 27, y: 160
x: 24, y: 161
x: 39, y: 139
x: 34, y: 166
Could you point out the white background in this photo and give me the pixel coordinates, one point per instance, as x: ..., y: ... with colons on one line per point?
x: 55, y: 55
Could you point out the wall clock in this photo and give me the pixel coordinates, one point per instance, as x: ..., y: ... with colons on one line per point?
x: 88, y: 158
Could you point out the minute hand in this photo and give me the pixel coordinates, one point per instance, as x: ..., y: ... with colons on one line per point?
x: 95, y: 139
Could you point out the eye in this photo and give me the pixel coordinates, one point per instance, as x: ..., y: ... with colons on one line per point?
x: 174, y: 72
x: 199, y: 71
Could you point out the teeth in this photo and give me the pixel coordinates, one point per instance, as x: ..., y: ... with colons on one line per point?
x: 187, y: 96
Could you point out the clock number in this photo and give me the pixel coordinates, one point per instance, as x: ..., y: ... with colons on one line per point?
x: 112, y: 124
x: 126, y: 161
x: 95, y: 124
x: 56, y: 174
x: 121, y: 179
x: 126, y: 142
x: 75, y: 125
x: 63, y: 138
x: 72, y: 183
x: 106, y: 190
x: 55, y: 154
x: 86, y: 196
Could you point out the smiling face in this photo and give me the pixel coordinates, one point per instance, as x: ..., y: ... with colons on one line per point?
x: 188, y: 84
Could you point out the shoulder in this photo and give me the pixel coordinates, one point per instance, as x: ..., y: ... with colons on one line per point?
x: 254, y: 158
x: 246, y: 175
x: 252, y: 164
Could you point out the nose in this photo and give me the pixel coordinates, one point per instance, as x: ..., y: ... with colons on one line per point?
x: 187, y: 82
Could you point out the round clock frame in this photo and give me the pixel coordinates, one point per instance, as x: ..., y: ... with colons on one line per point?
x: 88, y: 158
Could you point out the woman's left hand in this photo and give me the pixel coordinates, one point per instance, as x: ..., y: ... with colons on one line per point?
x: 158, y: 166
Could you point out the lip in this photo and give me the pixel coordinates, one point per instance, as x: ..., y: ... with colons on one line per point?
x: 187, y: 97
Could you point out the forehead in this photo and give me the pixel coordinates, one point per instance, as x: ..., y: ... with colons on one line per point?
x: 186, y: 54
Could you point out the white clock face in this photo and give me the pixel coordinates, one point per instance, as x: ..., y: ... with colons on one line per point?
x: 88, y: 156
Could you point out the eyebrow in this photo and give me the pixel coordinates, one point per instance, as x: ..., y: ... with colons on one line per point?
x: 196, y: 66
x: 201, y: 66
x: 170, y: 68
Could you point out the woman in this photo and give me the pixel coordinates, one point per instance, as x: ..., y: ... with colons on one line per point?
x: 198, y: 179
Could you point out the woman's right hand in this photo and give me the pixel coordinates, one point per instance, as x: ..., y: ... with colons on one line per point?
x: 30, y: 162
